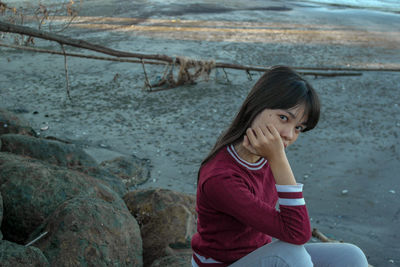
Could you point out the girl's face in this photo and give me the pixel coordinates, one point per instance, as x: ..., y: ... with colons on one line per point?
x: 289, y: 122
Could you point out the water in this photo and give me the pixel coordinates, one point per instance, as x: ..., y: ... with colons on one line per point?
x: 381, y: 5
x: 392, y: 6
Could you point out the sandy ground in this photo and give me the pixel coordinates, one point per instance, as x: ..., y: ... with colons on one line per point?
x: 349, y: 163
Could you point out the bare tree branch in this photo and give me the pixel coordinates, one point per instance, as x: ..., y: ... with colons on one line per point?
x: 12, y: 28
x: 66, y: 72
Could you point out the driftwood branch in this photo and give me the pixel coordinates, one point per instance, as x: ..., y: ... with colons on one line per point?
x: 13, y: 28
x: 184, y: 76
x: 217, y: 65
x: 46, y: 51
x: 323, y: 238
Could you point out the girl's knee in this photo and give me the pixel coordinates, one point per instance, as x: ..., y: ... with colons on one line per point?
x: 337, y: 254
x: 355, y: 256
x: 294, y: 255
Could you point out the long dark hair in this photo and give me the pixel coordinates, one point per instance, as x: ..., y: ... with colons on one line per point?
x: 279, y: 87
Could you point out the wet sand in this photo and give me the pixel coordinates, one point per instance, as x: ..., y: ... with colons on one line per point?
x: 349, y: 163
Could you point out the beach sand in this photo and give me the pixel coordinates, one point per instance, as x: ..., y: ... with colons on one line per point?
x: 349, y: 163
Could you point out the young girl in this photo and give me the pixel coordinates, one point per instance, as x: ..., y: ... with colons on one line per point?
x: 247, y: 173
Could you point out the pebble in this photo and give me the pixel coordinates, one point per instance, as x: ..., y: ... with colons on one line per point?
x: 391, y: 261
x: 392, y: 191
x: 345, y: 192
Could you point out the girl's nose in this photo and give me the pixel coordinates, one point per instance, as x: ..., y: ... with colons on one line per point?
x: 287, y: 133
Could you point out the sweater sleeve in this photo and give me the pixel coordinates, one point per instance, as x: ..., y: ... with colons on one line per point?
x: 231, y: 195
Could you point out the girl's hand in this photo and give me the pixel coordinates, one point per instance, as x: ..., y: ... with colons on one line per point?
x: 265, y: 142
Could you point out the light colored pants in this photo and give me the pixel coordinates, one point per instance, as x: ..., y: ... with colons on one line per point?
x: 282, y: 254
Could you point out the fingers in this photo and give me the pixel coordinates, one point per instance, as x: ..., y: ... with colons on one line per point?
x: 272, y: 130
x: 261, y: 136
x: 246, y: 143
x: 263, y: 141
x: 251, y: 136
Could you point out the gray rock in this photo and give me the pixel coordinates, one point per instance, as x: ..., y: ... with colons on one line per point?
x: 167, y: 220
x: 11, y: 123
x: 109, y: 179
x: 177, y: 260
x: 132, y: 170
x: 51, y: 151
x: 13, y: 255
x: 1, y: 215
x: 32, y: 190
x: 91, y: 232
x: 61, y: 154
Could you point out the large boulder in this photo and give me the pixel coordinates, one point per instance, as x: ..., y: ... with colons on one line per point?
x: 61, y: 154
x: 106, y: 177
x: 51, y: 151
x: 32, y: 190
x: 1, y: 215
x: 175, y: 260
x: 11, y: 123
x: 91, y: 232
x: 132, y: 170
x: 166, y: 218
x: 13, y: 255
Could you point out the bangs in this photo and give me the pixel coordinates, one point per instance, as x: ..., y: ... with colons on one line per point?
x: 311, y: 110
x: 299, y: 92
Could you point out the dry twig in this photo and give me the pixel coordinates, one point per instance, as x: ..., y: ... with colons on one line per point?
x: 147, y: 83
x: 66, y: 72
x: 317, y: 234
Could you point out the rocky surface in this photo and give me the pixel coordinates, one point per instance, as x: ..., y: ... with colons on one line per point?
x: 87, y: 231
x: 131, y: 169
x: 1, y: 215
x: 11, y: 123
x: 12, y: 255
x: 32, y: 190
x: 71, y: 212
x: 167, y: 220
x: 179, y: 260
x: 51, y: 151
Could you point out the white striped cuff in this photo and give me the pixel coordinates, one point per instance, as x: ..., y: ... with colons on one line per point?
x: 291, y: 201
x: 289, y: 188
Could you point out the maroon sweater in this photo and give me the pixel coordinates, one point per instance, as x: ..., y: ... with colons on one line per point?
x: 236, y: 203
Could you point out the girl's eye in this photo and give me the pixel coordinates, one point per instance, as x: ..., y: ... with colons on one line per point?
x: 299, y: 128
x: 283, y: 117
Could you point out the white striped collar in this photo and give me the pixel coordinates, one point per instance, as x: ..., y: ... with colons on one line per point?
x: 251, y: 166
